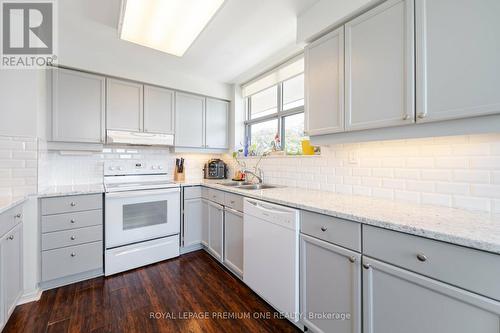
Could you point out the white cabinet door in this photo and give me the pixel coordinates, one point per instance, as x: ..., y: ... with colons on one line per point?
x: 330, y: 282
x: 458, y: 58
x: 124, y: 105
x: 379, y: 67
x: 12, y: 269
x: 78, y: 106
x: 204, y: 222
x: 215, y: 229
x: 189, y: 121
x: 324, y: 84
x: 158, y: 110
x: 233, y: 240
x: 217, y: 116
x: 193, y: 211
x: 396, y: 300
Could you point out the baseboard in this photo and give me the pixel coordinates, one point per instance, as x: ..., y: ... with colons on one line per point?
x: 30, y: 297
x: 191, y: 248
x: 46, y: 285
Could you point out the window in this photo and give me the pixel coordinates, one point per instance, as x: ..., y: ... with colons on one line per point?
x: 277, y: 110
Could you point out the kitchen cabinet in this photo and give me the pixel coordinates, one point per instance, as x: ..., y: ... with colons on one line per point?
x: 204, y: 222
x: 233, y: 240
x: 189, y: 120
x: 458, y: 59
x: 124, y: 105
x: 78, y: 106
x: 330, y: 283
x: 324, y: 84
x: 11, y: 270
x: 193, y: 221
x: 397, y: 300
x: 158, y: 110
x: 217, y: 121
x: 215, y: 229
x: 379, y: 67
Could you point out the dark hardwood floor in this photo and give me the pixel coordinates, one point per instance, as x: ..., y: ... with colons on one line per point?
x: 193, y: 285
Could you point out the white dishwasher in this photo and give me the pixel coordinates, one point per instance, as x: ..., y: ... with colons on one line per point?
x: 271, y: 254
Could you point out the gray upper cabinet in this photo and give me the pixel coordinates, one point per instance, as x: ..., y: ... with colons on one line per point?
x: 124, y: 103
x: 78, y: 106
x: 324, y: 84
x: 458, y: 59
x: 158, y: 110
x: 189, y: 120
x: 330, y: 282
x: 217, y: 121
x: 396, y: 300
x: 379, y: 67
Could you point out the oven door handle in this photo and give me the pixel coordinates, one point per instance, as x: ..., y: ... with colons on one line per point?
x: 128, y: 194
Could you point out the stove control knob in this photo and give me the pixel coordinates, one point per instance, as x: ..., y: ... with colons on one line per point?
x: 120, y: 168
x: 160, y: 167
x: 153, y: 167
x: 111, y: 168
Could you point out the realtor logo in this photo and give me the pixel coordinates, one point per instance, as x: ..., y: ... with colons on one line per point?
x: 28, y: 31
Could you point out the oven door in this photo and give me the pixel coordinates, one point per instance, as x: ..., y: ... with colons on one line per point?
x: 135, y: 216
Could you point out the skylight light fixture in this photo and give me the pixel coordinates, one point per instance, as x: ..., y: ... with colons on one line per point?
x: 170, y: 26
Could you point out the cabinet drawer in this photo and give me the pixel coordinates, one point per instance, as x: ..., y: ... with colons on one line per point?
x: 67, y: 221
x: 10, y: 219
x: 73, y: 203
x: 331, y: 229
x: 466, y: 268
x: 192, y: 192
x: 57, y: 239
x: 71, y: 260
x: 233, y: 201
x: 216, y: 196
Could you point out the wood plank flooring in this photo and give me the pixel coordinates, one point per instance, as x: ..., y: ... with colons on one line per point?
x: 187, y: 294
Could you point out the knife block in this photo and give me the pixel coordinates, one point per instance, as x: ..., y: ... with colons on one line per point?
x: 179, y: 176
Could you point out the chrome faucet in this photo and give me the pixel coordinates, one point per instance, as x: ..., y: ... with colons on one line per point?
x: 260, y: 176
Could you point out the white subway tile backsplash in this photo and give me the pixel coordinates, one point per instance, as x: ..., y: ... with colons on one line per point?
x: 488, y: 191
x: 471, y: 176
x: 436, y: 199
x: 453, y: 188
x: 472, y: 203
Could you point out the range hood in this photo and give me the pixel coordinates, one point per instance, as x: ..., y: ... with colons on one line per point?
x: 139, y: 138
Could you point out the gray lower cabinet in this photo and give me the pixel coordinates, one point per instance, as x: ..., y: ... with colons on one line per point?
x: 204, y: 222
x: 71, y: 239
x: 397, y: 300
x: 11, y: 252
x: 233, y: 240
x: 330, y: 285
x: 193, y: 220
x: 215, y: 229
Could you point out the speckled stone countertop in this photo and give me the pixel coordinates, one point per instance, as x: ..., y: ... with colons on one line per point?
x: 8, y: 202
x: 63, y: 190
x: 476, y: 230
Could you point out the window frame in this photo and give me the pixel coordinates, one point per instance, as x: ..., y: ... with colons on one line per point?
x: 280, y: 114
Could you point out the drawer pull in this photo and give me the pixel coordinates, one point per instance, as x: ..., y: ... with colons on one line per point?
x: 367, y: 266
x: 11, y: 237
x: 232, y: 202
x: 73, y: 204
x: 73, y: 237
x: 352, y: 259
x: 323, y: 228
x: 72, y: 221
x: 18, y: 216
x: 421, y: 257
x: 73, y: 254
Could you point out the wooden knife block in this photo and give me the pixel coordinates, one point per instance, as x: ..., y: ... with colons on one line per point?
x: 179, y: 176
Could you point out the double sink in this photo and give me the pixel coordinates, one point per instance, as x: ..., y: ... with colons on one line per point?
x: 248, y: 186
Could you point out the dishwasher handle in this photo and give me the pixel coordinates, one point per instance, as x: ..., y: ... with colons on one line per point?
x: 269, y: 209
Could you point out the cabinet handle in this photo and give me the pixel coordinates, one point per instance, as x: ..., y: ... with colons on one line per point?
x: 73, y: 237
x: 73, y: 204
x: 406, y: 117
x: 421, y: 115
x: 352, y: 259
x: 323, y: 228
x: 11, y: 237
x: 421, y: 257
x: 72, y: 221
x: 18, y: 216
x: 367, y: 266
x: 73, y: 254
x: 232, y: 202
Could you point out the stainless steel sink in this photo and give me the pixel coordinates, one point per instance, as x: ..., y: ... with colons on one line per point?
x: 256, y: 186
x: 235, y: 184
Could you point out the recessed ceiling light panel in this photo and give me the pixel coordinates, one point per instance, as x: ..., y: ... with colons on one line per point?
x: 170, y: 26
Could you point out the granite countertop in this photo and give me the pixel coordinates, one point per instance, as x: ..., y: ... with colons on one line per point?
x: 63, y: 190
x: 476, y: 230
x: 8, y: 202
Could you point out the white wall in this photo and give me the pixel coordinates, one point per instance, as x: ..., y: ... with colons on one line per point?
x: 458, y: 171
x: 326, y: 14
x: 91, y: 43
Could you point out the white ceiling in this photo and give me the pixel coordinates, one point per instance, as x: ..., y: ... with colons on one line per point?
x: 243, y: 38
